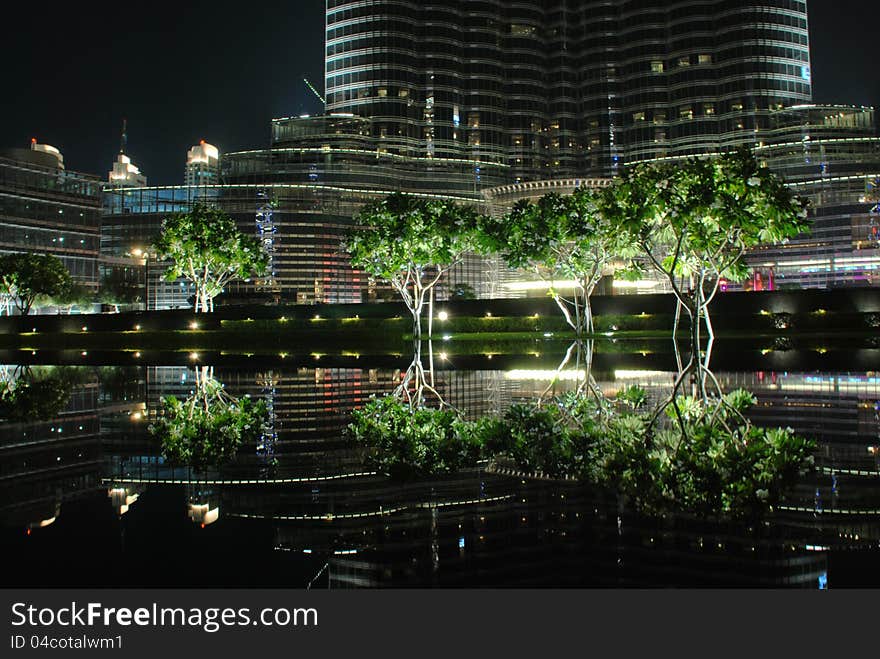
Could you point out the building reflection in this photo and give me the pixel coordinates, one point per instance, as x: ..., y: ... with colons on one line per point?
x: 474, y: 528
x: 122, y: 498
x: 45, y: 463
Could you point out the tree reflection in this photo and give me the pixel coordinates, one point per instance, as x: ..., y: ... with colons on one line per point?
x: 580, y: 355
x: 696, y: 450
x: 417, y: 386
x: 414, y: 432
x: 35, y: 393
x: 207, y: 428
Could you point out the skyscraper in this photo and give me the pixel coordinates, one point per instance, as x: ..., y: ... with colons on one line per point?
x: 125, y: 173
x: 202, y: 165
x: 555, y: 88
x: 48, y: 209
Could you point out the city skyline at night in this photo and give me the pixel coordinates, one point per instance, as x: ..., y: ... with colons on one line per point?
x: 180, y: 74
x: 535, y: 297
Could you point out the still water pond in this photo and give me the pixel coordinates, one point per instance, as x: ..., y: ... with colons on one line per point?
x: 87, y: 500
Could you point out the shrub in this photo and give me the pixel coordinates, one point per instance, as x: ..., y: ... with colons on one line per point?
x: 204, y: 435
x: 413, y: 443
x: 706, y: 458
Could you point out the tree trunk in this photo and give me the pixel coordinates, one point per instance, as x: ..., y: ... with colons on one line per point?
x: 416, y: 311
x: 701, y: 311
x: 431, y: 313
x: 206, y: 301
x: 565, y: 312
x: 589, y: 327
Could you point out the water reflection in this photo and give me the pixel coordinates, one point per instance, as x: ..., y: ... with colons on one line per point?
x: 33, y: 392
x: 209, y: 426
x: 298, y: 498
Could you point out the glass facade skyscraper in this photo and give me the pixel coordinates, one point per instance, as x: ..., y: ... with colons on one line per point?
x: 47, y: 209
x: 487, y: 102
x: 555, y: 88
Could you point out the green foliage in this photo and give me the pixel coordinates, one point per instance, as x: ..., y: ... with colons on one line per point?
x: 706, y: 459
x: 536, y: 439
x: 720, y: 462
x: 117, y: 289
x: 410, y: 242
x: 492, y: 324
x: 400, y: 236
x: 696, y: 218
x: 206, y: 248
x: 406, y: 443
x: 566, y: 236
x: 208, y: 428
x: 74, y: 294
x: 27, y: 277
x: 560, y: 238
x: 634, y: 397
x: 37, y: 394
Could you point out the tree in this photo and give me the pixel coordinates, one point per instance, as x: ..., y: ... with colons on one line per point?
x: 411, y: 243
x: 116, y: 289
x: 695, y: 220
x: 711, y: 460
x: 560, y: 238
x: 206, y: 248
x: 75, y: 294
x: 36, y: 394
x: 207, y: 428
x: 410, y: 443
x: 27, y: 277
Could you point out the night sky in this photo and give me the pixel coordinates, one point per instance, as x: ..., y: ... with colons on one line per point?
x: 184, y: 71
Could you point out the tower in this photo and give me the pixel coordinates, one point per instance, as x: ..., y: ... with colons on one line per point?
x: 557, y: 88
x: 202, y: 165
x: 124, y: 173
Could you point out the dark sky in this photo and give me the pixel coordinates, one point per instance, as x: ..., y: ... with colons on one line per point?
x: 190, y: 70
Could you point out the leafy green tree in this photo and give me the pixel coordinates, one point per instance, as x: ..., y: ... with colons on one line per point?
x: 74, y: 295
x: 116, y: 289
x: 36, y: 393
x: 411, y: 243
x: 695, y: 220
x: 8, y: 290
x: 405, y: 443
x: 207, y: 428
x: 26, y: 278
x: 704, y: 458
x: 561, y: 238
x: 206, y: 248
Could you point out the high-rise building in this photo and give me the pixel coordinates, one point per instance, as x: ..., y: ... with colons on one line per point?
x: 488, y: 101
x: 560, y: 88
x: 47, y: 209
x: 124, y: 173
x: 202, y: 165
x: 830, y: 155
